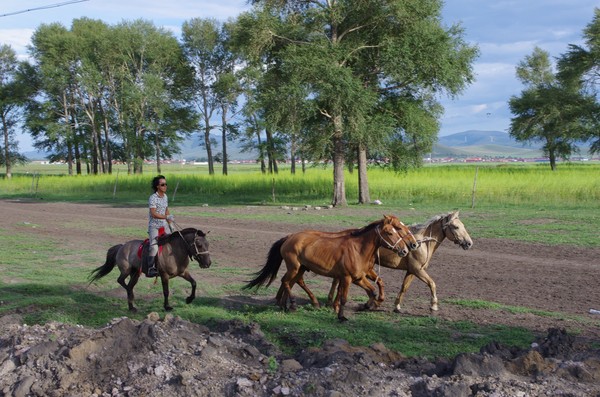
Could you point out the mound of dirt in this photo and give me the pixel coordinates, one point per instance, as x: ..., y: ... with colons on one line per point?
x: 173, y: 357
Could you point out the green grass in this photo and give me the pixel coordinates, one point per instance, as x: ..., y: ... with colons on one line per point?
x: 498, y: 186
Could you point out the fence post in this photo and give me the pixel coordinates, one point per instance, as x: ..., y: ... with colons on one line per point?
x: 175, y: 191
x: 273, y: 189
x: 37, y: 183
x: 115, y: 188
x: 474, y: 188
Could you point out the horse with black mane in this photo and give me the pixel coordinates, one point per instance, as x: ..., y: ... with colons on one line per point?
x: 174, y: 256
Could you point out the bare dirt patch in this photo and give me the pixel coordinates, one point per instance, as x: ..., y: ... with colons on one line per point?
x: 235, y: 360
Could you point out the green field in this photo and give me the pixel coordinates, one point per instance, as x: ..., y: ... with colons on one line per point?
x: 524, y: 202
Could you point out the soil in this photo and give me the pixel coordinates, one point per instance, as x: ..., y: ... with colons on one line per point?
x: 236, y: 360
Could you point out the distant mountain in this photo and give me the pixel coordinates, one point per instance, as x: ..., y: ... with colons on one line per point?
x: 192, y: 149
x: 475, y: 143
x: 480, y: 138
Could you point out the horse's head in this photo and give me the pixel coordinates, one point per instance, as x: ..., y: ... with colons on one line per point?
x: 393, y: 240
x: 411, y: 242
x: 199, y: 249
x: 455, y: 231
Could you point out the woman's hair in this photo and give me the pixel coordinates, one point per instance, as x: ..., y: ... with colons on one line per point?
x: 156, y: 181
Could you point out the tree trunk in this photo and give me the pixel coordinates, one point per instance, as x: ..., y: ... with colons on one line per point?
x: 339, y: 189
x: 107, y: 143
x: 6, y: 148
x: 158, y: 153
x: 552, y: 156
x: 293, y: 155
x: 138, y: 162
x: 209, y: 155
x: 363, y: 183
x: 224, y: 137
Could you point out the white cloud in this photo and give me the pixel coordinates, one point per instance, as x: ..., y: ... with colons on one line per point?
x: 18, y: 39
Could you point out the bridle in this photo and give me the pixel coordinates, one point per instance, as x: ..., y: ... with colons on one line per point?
x: 193, y: 255
x: 389, y: 245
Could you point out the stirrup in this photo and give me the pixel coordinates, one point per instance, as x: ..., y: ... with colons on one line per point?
x: 152, y: 272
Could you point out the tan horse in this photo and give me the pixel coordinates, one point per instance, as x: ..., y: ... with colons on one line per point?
x: 347, y: 258
x: 409, y: 240
x: 431, y: 234
x: 177, y: 250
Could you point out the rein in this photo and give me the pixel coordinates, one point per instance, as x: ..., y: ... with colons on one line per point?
x: 177, y: 229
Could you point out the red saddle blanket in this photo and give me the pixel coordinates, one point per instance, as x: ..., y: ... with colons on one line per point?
x: 140, y: 250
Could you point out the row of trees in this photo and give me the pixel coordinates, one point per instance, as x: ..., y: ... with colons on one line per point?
x: 560, y: 109
x: 322, y: 80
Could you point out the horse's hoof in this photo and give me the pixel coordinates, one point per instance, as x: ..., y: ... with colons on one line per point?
x: 434, y: 308
x: 293, y: 308
x: 168, y: 308
x: 342, y: 319
x: 316, y: 305
x: 397, y: 309
x: 189, y: 300
x: 133, y: 309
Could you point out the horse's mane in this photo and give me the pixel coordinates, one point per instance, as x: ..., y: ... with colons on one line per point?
x: 421, y: 227
x: 367, y: 228
x: 166, y: 238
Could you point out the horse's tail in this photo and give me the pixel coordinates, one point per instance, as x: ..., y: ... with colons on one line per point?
x: 111, y: 261
x: 268, y: 273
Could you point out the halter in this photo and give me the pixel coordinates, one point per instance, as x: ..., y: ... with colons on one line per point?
x: 445, y: 226
x: 389, y: 245
x: 189, y: 245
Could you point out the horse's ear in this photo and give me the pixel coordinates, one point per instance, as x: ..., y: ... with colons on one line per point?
x: 454, y: 214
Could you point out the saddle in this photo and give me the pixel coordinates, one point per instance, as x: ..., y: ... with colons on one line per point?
x: 142, y: 252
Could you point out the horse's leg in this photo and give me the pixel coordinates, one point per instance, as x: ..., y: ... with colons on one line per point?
x: 133, y: 279
x: 343, y: 296
x: 370, y: 290
x: 423, y: 276
x: 330, y: 296
x: 287, y: 283
x: 281, y: 291
x: 380, y: 285
x: 164, y: 278
x: 187, y: 276
x: 408, y: 278
x: 302, y: 284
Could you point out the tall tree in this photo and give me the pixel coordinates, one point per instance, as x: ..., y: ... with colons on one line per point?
x: 352, y: 55
x: 54, y: 122
x: 17, y: 86
x: 548, y: 110
x: 202, y: 43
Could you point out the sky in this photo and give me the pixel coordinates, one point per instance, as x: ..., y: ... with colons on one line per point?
x: 504, y: 30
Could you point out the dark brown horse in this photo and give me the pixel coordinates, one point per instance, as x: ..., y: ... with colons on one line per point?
x: 409, y: 242
x: 431, y: 234
x: 347, y: 258
x: 172, y: 261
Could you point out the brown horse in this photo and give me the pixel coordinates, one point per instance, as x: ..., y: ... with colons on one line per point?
x: 347, y: 258
x: 177, y: 250
x: 430, y: 234
x: 409, y: 242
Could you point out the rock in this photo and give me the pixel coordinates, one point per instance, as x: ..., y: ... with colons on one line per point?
x: 478, y: 365
x: 290, y: 365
